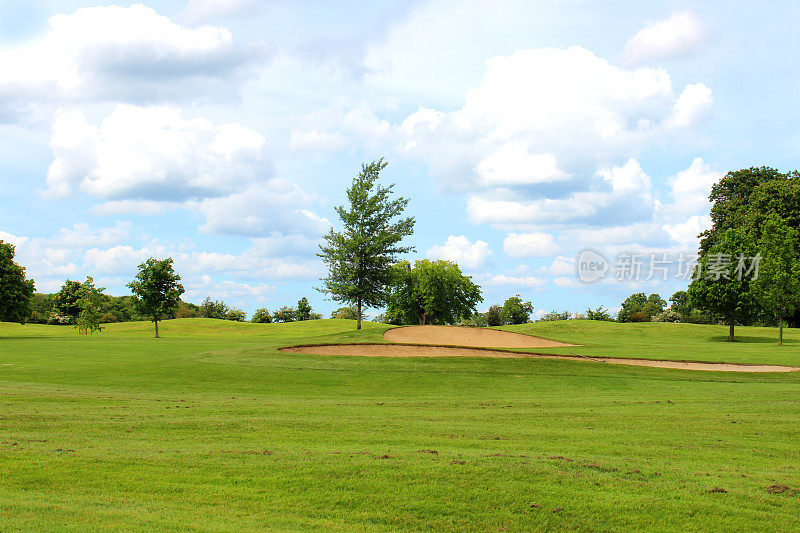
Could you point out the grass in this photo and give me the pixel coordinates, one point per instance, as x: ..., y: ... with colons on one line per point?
x: 210, y: 428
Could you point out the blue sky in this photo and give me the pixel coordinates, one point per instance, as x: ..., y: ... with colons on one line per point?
x: 223, y: 132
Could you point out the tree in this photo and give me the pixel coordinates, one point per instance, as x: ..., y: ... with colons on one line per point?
x: 777, y: 285
x: 67, y: 299
x: 655, y: 305
x: 597, y: 314
x: 639, y: 307
x: 721, y: 284
x: 237, y: 315
x: 432, y: 292
x: 157, y: 289
x: 89, y: 303
x: 15, y: 290
x: 304, y: 310
x: 359, y: 257
x: 679, y: 302
x: 345, y: 313
x: 285, y: 314
x: 515, y: 311
x: 261, y: 316
x: 214, y: 309
x: 494, y: 316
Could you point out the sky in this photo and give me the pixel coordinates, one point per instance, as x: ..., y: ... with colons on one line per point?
x: 223, y: 133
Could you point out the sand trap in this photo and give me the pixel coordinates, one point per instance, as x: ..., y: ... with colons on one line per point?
x: 406, y: 350
x: 465, y: 336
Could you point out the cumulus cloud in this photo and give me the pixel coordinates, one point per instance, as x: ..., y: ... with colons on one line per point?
x: 536, y: 244
x: 679, y: 35
x: 517, y: 281
x: 691, y: 188
x: 117, y: 53
x: 152, y: 153
x: 459, y: 249
x: 512, y: 164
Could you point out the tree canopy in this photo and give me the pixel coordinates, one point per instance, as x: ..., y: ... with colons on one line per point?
x: 15, y: 290
x: 359, y: 256
x: 432, y: 292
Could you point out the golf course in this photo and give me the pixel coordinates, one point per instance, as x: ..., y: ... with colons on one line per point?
x: 213, y: 428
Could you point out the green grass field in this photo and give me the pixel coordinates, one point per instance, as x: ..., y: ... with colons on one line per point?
x: 210, y: 428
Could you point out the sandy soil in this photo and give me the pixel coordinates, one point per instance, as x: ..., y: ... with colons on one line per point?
x: 398, y: 350
x: 457, y: 336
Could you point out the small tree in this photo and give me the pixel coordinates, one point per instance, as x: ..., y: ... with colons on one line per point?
x: 90, y: 305
x: 237, y: 315
x: 679, y: 302
x: 494, y: 316
x: 598, y: 314
x: 261, y: 316
x: 15, y: 290
x: 157, y: 289
x: 347, y: 313
x: 515, y: 311
x: 359, y: 257
x: 777, y: 286
x: 285, y: 314
x: 67, y: 299
x: 304, y: 310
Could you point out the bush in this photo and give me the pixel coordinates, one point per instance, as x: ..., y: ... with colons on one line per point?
x: 261, y: 316
x: 670, y: 315
x: 638, y: 316
x: 698, y: 317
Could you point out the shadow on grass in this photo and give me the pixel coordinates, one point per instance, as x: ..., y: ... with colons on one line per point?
x: 745, y: 339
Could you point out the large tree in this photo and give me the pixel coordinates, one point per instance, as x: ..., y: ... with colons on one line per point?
x: 157, y: 289
x: 15, y: 290
x: 721, y: 284
x: 432, y: 292
x: 359, y: 257
x: 777, y: 286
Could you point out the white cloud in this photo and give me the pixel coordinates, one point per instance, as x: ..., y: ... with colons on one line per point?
x: 512, y: 164
x: 686, y: 233
x: 676, y: 36
x: 460, y: 250
x: 524, y: 281
x: 152, y: 153
x: 537, y: 244
x: 691, y: 188
x: 117, y: 53
x: 692, y: 106
x: 210, y: 10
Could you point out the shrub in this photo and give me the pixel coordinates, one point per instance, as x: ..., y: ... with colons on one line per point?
x: 638, y: 316
x: 670, y: 315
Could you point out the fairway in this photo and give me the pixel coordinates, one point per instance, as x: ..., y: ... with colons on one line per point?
x: 212, y: 428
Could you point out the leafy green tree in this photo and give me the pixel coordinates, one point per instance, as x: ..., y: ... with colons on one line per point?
x: 515, y: 311
x: 359, y: 257
x: 262, y: 316
x: 555, y: 315
x: 304, y: 310
x: 67, y: 299
x: 42, y: 306
x: 632, y: 305
x: 655, y: 305
x: 679, y: 302
x: 494, y: 316
x: 721, y: 282
x: 157, y: 289
x: 285, y: 314
x: 598, y: 314
x: 432, y: 292
x: 15, y: 290
x: 777, y: 286
x: 237, y: 315
x: 90, y: 305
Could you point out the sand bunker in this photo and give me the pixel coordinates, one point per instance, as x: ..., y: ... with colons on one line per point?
x: 465, y: 336
x: 406, y: 350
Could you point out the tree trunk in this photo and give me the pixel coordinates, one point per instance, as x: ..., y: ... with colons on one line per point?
x: 730, y: 328
x: 156, y: 323
x: 780, y: 331
x: 358, y: 318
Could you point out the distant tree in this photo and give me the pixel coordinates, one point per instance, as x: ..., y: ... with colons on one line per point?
x: 432, y: 292
x: 359, y: 257
x: 15, y: 290
x: 304, y: 310
x: 237, y: 315
x: 261, y: 316
x: 515, y: 311
x: 346, y: 313
x: 285, y: 314
x: 187, y: 310
x: 679, y: 302
x: 214, y: 309
x: 555, y: 315
x: 639, y: 307
x: 598, y: 314
x: 67, y: 299
x: 42, y: 306
x: 494, y: 316
x: 157, y: 289
x: 89, y: 303
x: 777, y: 286
x: 655, y: 305
x: 721, y: 285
